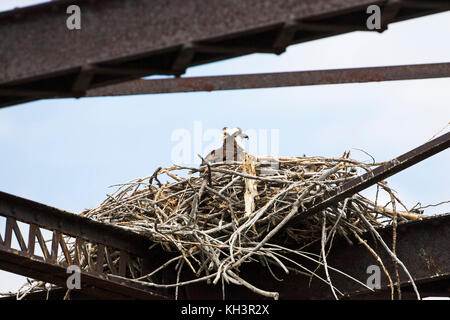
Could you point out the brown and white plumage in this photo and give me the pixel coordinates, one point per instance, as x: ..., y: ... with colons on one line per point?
x: 232, y: 148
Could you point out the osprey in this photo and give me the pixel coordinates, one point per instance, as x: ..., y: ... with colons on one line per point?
x: 232, y: 148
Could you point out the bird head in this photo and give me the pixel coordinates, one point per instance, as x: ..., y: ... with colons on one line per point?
x: 235, y: 133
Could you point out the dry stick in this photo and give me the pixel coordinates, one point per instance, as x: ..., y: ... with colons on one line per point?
x: 338, y: 219
x: 255, y: 218
x: 159, y: 268
x: 67, y: 295
x: 223, y: 288
x: 376, y: 198
x: 267, y: 264
x: 291, y: 214
x: 380, y: 262
x: 219, y: 271
x: 393, y: 256
x: 48, y: 292
x: 285, y: 269
x: 249, y: 176
x: 178, y: 277
x: 406, y: 214
x: 274, y: 295
x: 235, y: 179
x: 404, y: 206
x: 305, y: 255
x: 309, y: 272
x: 394, y: 245
x: 324, y: 257
x: 213, y: 237
x: 431, y: 205
x: 31, y: 287
x: 157, y: 285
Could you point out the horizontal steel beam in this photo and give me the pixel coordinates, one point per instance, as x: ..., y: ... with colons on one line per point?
x: 422, y: 245
x: 124, y: 40
x: 53, y: 294
x: 274, y: 80
x: 114, y: 30
x: 253, y: 81
x: 73, y: 234
x: 92, y: 284
x: 424, y: 242
x: 71, y: 224
x: 376, y: 175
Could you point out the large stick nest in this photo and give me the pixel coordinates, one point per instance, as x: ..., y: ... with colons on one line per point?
x: 218, y: 216
x: 221, y: 215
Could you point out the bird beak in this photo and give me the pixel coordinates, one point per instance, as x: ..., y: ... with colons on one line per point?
x: 245, y: 136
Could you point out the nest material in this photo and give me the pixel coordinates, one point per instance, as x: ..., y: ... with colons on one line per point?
x: 221, y: 215
x: 218, y: 216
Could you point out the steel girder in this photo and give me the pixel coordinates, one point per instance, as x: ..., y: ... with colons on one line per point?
x: 25, y: 260
x: 274, y: 80
x: 376, y: 175
x: 125, y: 40
x: 423, y: 246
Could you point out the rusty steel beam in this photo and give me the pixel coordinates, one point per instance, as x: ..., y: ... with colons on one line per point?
x: 117, y: 30
x: 275, y: 80
x: 53, y: 294
x: 431, y: 242
x: 71, y: 224
x: 422, y: 245
x: 378, y: 174
x: 49, y: 267
x: 132, y: 39
x: 93, y: 284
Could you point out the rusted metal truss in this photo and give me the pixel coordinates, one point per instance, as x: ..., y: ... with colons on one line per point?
x: 70, y: 230
x: 423, y: 246
x: 116, y: 46
x: 274, y: 80
x: 41, y: 58
x: 264, y: 80
x: 376, y: 175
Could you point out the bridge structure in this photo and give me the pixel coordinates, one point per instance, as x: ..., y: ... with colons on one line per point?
x: 121, y: 42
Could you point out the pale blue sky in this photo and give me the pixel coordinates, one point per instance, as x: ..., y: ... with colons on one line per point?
x: 65, y: 153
